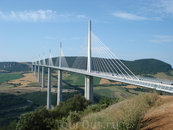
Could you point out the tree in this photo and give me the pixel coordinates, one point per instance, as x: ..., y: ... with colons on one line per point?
x: 77, y: 103
x: 12, y: 125
x: 40, y: 119
x: 106, y: 101
x: 43, y: 119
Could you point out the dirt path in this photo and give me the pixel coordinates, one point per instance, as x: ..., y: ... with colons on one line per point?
x: 160, y: 118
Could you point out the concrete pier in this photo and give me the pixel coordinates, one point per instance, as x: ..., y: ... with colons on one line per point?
x: 38, y: 74
x: 42, y: 83
x: 49, y: 96
x: 35, y: 70
x: 59, y: 89
x: 89, y: 87
x: 32, y: 67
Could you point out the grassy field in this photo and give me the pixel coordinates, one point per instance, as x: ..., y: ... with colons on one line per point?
x: 34, y: 84
x: 162, y: 75
x: 77, y: 79
x: 9, y: 76
x: 15, y: 83
x: 112, y: 91
x: 6, y: 86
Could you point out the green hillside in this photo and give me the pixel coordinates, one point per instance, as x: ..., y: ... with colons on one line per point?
x: 114, y: 92
x: 147, y: 66
x: 9, y: 76
x: 9, y: 100
x: 79, y: 80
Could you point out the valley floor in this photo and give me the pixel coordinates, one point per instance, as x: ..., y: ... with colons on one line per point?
x: 158, y: 118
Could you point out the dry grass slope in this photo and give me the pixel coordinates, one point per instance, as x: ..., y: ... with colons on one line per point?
x: 161, y: 117
x: 28, y: 78
x: 126, y: 115
x: 162, y: 75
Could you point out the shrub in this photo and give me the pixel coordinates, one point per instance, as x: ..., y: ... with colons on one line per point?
x: 106, y: 101
x: 94, y: 108
x: 73, y: 117
x: 77, y: 103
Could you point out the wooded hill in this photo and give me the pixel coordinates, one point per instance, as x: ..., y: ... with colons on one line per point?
x: 147, y: 66
x: 10, y: 99
x: 141, y: 66
x: 14, y: 67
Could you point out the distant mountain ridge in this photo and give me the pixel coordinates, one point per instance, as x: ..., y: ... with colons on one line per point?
x: 14, y: 67
x: 147, y: 66
x: 141, y: 66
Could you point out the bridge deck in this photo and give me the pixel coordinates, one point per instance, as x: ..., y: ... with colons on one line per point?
x: 153, y: 83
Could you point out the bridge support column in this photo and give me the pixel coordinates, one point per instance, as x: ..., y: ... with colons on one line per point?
x: 49, y: 89
x: 35, y: 70
x: 89, y: 79
x: 38, y: 75
x: 32, y: 68
x: 42, y: 84
x: 59, y: 89
x: 89, y: 87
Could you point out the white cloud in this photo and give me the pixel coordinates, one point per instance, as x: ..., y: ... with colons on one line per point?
x: 81, y: 16
x: 148, y: 10
x: 129, y: 16
x: 51, y: 37
x: 163, y: 36
x: 2, y: 16
x: 157, y: 8
x: 165, y: 6
x: 78, y: 38
x: 38, y: 15
x: 162, y: 39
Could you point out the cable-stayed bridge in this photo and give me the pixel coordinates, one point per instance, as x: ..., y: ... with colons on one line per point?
x: 99, y: 62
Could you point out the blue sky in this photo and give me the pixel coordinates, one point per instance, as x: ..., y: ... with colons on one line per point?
x: 131, y: 29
